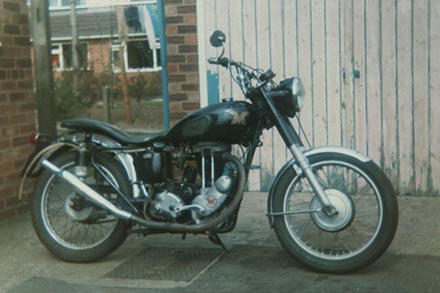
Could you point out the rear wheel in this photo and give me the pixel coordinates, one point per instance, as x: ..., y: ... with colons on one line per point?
x: 361, y: 231
x: 71, y: 227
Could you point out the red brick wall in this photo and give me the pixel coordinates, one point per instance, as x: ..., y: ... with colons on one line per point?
x: 183, y: 74
x: 98, y: 54
x: 17, y: 110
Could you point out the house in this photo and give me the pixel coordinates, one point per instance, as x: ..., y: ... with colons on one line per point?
x: 98, y: 29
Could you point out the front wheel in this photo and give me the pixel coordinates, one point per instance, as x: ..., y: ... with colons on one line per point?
x: 357, y: 235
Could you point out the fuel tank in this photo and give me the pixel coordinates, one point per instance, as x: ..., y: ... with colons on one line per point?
x: 229, y: 122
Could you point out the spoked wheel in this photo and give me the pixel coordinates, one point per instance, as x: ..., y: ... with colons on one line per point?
x: 71, y: 227
x: 358, y: 234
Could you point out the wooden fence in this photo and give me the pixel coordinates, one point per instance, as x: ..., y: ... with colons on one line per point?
x: 371, y: 70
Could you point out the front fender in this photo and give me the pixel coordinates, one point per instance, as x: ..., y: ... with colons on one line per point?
x: 292, y: 164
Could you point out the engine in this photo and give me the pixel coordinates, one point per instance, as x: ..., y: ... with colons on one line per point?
x: 196, y: 183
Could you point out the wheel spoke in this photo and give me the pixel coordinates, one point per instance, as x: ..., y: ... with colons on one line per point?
x: 66, y: 230
x: 345, y: 182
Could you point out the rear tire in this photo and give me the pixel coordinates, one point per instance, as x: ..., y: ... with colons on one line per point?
x: 70, y: 227
x: 358, y: 235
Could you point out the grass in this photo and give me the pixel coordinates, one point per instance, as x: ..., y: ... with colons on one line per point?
x: 152, y: 103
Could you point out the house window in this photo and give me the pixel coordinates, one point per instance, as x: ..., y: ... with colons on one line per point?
x: 138, y: 56
x: 115, y: 57
x: 65, y: 3
x: 68, y: 57
x: 56, y: 57
x: 62, y: 56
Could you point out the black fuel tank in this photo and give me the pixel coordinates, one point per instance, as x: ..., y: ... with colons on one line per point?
x: 229, y: 122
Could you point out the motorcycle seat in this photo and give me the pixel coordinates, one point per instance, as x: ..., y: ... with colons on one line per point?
x: 111, y: 131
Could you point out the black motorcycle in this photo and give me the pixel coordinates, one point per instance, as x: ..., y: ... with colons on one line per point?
x: 332, y: 208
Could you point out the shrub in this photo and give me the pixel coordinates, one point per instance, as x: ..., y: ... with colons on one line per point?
x: 145, y: 86
x: 70, y: 104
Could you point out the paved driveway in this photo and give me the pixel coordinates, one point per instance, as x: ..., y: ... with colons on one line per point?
x: 255, y: 263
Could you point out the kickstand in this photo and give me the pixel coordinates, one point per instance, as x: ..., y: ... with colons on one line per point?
x: 214, y: 238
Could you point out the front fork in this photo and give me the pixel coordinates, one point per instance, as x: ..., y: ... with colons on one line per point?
x: 295, y: 146
x: 305, y: 167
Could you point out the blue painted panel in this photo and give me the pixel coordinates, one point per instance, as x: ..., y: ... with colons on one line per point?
x: 213, y: 92
x: 164, y: 62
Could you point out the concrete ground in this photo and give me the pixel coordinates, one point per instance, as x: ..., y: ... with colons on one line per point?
x: 255, y: 263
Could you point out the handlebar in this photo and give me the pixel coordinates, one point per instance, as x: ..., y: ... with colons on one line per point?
x: 244, y: 75
x: 225, y: 62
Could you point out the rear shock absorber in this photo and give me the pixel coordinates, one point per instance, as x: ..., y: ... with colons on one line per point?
x: 82, y: 158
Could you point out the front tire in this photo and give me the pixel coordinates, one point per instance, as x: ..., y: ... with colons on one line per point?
x: 69, y: 226
x: 355, y: 237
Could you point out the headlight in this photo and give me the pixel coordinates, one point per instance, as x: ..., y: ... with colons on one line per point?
x: 298, y: 92
x: 289, y: 96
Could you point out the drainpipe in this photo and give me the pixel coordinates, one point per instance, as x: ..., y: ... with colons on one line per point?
x: 164, y: 63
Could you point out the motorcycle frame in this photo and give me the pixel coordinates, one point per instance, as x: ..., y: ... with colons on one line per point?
x: 269, y: 116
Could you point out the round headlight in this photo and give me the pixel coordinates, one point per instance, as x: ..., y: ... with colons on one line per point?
x: 298, y: 92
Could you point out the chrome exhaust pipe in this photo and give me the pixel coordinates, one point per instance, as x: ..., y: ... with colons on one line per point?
x: 200, y: 227
x: 88, y: 192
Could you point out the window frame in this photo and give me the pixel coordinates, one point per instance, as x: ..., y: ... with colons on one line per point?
x: 92, y: 4
x: 59, y: 5
x: 57, y: 48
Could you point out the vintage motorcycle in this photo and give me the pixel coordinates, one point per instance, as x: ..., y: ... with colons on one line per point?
x: 332, y: 208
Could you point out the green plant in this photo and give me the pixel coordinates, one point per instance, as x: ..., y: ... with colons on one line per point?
x: 145, y: 86
x: 71, y: 103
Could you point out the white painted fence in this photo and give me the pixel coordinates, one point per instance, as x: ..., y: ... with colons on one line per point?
x: 371, y: 70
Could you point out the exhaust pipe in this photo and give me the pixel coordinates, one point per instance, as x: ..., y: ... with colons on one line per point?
x: 200, y: 227
x: 89, y: 193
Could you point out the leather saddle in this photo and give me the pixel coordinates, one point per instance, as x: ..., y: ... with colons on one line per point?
x: 111, y: 131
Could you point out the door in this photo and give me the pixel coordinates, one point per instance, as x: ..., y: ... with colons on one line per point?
x: 369, y: 71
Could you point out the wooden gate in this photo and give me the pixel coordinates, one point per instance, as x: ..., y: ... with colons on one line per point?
x: 371, y: 71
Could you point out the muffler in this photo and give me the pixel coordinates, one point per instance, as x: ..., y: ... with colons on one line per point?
x: 102, y: 202
x: 88, y: 192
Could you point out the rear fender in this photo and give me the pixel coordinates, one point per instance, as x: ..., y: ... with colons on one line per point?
x: 292, y: 164
x: 68, y: 142
x: 33, y: 164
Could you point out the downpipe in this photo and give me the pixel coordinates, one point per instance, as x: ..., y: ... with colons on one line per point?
x: 200, y: 227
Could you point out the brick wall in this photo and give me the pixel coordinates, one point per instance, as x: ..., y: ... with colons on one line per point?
x: 98, y: 54
x: 183, y: 74
x: 17, y: 109
x: 17, y: 114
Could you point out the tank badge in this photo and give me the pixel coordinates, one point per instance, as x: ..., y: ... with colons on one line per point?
x: 238, y: 118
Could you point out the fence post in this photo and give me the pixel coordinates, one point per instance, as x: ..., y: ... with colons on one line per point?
x: 44, y: 83
x: 106, y: 105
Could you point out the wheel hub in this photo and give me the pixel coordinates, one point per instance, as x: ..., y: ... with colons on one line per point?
x: 344, y: 207
x: 77, y: 213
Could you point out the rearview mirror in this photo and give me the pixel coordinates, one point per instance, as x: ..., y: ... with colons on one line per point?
x: 217, y: 39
